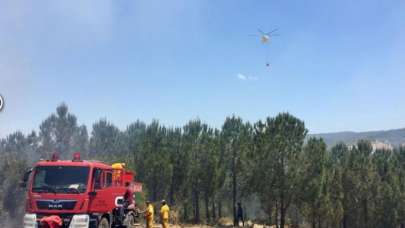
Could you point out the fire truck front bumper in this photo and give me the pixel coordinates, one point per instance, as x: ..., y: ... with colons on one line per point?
x: 69, y: 220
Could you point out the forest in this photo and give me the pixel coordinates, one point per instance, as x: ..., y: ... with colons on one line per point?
x: 279, y: 174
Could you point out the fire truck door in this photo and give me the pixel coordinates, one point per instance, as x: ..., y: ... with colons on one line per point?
x: 101, y: 199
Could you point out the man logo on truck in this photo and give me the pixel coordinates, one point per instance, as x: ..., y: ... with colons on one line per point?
x: 55, y: 205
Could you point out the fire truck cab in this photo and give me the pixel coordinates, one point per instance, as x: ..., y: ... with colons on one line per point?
x: 77, y: 193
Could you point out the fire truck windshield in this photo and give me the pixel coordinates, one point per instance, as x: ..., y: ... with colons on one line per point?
x: 60, y: 179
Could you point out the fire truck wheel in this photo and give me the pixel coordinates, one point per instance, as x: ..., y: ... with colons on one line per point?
x: 103, y: 223
x: 131, y: 222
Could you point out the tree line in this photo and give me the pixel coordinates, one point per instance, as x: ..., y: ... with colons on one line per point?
x: 202, y: 171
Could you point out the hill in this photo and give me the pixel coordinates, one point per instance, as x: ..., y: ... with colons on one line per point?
x: 394, y: 137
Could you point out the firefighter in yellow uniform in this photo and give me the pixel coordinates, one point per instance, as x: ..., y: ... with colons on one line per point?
x: 164, y: 214
x: 149, y: 214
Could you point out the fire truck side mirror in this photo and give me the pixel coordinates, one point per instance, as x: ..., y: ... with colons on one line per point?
x: 92, y: 193
x: 23, y: 182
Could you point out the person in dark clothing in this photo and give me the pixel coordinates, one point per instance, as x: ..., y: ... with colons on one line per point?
x: 239, y: 214
x: 128, y: 196
x: 128, y: 201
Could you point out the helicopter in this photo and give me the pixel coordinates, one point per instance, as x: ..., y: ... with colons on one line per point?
x: 265, y: 36
x: 265, y: 39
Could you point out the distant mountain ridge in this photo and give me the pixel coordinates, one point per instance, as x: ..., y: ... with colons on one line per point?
x: 395, y: 137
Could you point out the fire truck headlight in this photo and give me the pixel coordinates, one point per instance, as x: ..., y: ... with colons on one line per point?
x: 80, y: 221
x: 30, y: 221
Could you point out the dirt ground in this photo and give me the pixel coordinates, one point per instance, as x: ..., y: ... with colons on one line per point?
x: 247, y: 225
x: 217, y: 226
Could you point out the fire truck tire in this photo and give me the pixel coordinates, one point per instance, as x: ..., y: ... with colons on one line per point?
x: 103, y: 223
x: 131, y: 222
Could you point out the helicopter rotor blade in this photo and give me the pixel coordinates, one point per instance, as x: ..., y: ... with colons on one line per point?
x: 269, y: 33
x: 261, y: 31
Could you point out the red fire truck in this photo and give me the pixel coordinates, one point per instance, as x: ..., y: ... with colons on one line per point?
x: 78, y: 194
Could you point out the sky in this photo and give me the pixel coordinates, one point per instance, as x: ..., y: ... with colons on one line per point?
x: 337, y: 65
